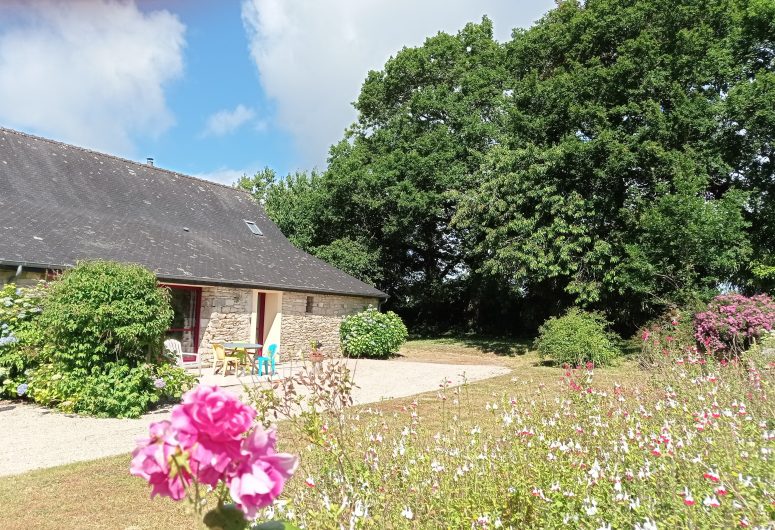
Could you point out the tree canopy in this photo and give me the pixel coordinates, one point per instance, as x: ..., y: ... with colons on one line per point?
x: 616, y: 155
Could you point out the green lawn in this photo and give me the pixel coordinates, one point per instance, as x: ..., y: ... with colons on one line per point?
x: 102, y: 494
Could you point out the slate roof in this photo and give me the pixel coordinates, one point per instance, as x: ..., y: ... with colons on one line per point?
x: 60, y: 204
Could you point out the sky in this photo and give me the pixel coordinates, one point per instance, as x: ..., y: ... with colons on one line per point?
x: 212, y: 89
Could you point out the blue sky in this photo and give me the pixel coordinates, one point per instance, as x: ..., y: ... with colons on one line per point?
x: 213, y: 89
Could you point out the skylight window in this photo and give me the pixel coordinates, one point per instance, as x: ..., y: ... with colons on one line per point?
x: 253, y: 228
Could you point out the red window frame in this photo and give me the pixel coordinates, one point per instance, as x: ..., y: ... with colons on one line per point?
x: 260, y: 320
x: 197, y: 310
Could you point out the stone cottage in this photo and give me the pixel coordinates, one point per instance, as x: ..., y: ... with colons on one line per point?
x: 232, y: 275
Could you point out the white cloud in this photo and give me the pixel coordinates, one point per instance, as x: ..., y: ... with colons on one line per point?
x: 313, y: 56
x: 88, y: 72
x: 225, y: 175
x: 227, y: 121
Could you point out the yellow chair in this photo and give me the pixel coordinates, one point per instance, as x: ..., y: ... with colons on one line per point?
x: 220, y: 357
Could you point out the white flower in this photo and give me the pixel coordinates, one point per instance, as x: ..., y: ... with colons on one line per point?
x: 407, y: 512
x: 360, y: 510
x: 648, y: 524
x: 594, y: 472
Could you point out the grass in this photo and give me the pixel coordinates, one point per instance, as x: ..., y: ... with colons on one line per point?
x: 102, y: 494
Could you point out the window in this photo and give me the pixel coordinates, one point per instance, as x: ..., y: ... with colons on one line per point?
x: 253, y: 228
x: 310, y: 303
x: 185, y: 302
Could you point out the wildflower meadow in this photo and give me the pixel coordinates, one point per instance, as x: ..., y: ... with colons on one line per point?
x: 691, y: 446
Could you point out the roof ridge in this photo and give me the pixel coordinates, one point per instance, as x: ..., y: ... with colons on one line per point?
x: 116, y: 157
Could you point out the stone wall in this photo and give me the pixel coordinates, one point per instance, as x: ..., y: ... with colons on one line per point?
x: 299, y: 328
x: 225, y: 316
x: 25, y: 279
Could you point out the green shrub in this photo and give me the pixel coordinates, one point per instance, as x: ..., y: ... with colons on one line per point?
x: 102, y: 311
x: 19, y: 336
x: 172, y: 381
x: 668, y: 336
x: 116, y: 390
x: 576, y: 338
x: 101, y: 324
x: 372, y: 334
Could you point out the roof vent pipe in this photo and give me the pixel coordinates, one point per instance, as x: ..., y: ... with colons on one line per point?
x: 149, y: 161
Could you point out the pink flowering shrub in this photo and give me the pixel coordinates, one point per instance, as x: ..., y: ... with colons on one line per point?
x: 668, y: 338
x: 210, y: 440
x: 733, y: 321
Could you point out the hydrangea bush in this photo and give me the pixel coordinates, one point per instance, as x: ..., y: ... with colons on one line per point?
x: 733, y: 321
x: 372, y: 334
x: 210, y: 441
x: 19, y: 306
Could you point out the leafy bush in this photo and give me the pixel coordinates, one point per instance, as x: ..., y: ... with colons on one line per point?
x: 102, y: 311
x: 576, y: 338
x: 19, y: 337
x: 669, y: 336
x: 372, y: 334
x: 172, y: 381
x: 733, y: 321
x: 116, y: 390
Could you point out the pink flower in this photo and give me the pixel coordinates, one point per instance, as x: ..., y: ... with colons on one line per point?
x: 210, y: 423
x: 205, y: 443
x: 711, y: 475
x: 210, y: 412
x: 160, y: 460
x: 711, y: 502
x: 261, y: 476
x: 688, y: 499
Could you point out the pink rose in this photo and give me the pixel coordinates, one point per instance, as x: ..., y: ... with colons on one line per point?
x: 152, y: 460
x: 210, y: 412
x: 205, y: 442
x: 261, y: 476
x: 210, y: 423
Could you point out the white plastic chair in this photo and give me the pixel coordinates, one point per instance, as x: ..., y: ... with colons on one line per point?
x: 176, y: 348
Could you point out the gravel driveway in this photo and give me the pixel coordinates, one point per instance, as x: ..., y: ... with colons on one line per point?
x: 33, y: 437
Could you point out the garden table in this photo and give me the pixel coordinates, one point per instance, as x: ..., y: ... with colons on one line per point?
x: 245, y: 348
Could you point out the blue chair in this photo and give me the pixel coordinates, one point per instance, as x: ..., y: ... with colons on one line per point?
x: 272, y: 352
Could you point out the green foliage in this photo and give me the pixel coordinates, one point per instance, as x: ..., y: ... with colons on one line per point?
x: 672, y: 331
x: 114, y: 390
x: 617, y: 182
x: 764, y: 277
x: 372, y: 334
x: 100, y: 312
x: 382, y: 210
x: 86, y: 351
x: 19, y: 337
x: 617, y: 155
x: 353, y: 257
x: 576, y: 338
x: 176, y: 381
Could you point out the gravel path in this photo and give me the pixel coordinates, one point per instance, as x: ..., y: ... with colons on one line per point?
x: 33, y: 437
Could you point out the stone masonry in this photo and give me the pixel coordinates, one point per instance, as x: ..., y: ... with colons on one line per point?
x: 225, y: 316
x: 26, y: 279
x: 299, y: 328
